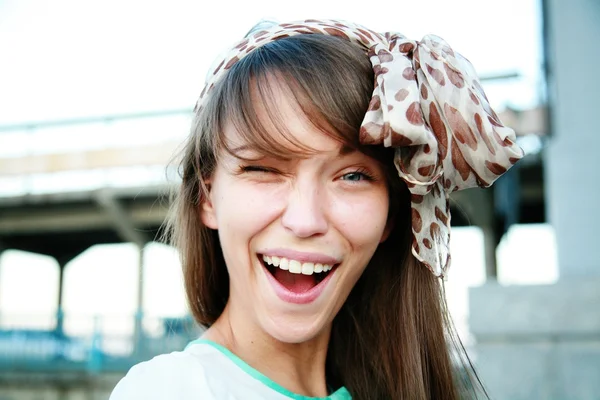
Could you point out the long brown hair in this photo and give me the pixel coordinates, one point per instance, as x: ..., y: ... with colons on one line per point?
x: 391, y: 338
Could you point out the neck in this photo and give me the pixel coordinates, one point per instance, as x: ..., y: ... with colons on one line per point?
x: 298, y: 367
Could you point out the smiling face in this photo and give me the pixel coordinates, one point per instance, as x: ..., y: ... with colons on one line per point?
x: 296, y: 233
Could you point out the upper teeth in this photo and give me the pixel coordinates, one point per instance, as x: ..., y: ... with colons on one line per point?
x: 296, y: 267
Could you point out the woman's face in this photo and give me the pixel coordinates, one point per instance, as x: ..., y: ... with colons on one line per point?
x: 296, y: 235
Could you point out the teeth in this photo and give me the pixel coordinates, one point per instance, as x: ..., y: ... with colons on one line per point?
x: 308, y: 268
x: 284, y: 264
x: 296, y: 267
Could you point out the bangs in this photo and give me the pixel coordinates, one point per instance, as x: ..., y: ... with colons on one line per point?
x: 327, y: 80
x: 256, y: 116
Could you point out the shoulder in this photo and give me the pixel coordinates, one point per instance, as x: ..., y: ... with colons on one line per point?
x: 168, y: 376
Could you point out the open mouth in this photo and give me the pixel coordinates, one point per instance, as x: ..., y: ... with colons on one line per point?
x: 296, y: 276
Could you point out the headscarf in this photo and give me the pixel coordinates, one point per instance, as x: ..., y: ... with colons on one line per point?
x: 429, y: 105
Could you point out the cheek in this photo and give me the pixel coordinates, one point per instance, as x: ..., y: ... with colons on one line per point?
x: 361, y: 219
x: 243, y: 209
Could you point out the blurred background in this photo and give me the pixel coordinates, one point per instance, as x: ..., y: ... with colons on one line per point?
x: 96, y: 97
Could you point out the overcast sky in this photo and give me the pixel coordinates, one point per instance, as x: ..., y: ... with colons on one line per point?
x: 67, y: 58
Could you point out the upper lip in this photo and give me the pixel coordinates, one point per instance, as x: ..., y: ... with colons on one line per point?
x: 301, y: 256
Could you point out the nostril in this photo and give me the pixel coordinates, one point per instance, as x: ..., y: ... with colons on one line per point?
x: 304, y: 226
x: 304, y: 216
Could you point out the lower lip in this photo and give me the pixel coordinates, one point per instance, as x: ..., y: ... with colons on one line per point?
x: 298, y: 298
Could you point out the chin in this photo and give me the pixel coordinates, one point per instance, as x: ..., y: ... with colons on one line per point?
x: 296, y: 330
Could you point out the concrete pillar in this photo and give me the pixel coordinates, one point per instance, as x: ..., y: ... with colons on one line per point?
x: 490, y: 236
x: 572, y: 162
x: 543, y: 341
x: 60, y: 309
x: 478, y: 207
x: 139, y: 315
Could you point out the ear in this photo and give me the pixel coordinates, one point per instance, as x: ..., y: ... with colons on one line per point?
x: 207, y: 210
x: 386, y: 232
x: 389, y: 226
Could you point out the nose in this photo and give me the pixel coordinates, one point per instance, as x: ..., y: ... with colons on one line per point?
x: 304, y: 215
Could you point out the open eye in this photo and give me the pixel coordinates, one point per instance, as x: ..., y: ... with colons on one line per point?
x: 357, y: 176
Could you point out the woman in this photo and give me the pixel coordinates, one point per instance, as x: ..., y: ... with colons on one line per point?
x: 313, y: 221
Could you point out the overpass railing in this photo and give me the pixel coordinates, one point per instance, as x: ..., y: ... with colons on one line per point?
x: 111, y: 346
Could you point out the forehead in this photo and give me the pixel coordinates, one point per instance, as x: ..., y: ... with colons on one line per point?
x: 280, y: 120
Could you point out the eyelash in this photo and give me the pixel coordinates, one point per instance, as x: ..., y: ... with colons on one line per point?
x: 363, y: 172
x: 256, y: 168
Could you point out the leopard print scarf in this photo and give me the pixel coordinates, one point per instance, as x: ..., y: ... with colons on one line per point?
x: 428, y: 104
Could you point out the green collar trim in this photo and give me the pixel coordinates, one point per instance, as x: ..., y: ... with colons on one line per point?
x: 340, y: 394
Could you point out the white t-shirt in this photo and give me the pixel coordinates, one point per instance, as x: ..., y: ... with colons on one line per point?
x: 203, y: 371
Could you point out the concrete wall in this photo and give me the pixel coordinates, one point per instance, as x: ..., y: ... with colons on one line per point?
x: 538, y: 342
x: 572, y: 159
x: 543, y: 342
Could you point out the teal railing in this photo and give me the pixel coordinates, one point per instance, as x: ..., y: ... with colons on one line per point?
x: 105, y: 348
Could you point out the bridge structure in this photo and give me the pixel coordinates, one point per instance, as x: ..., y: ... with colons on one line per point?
x: 63, y: 190
x: 66, y: 186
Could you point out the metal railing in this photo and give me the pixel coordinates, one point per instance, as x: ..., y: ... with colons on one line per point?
x: 107, y: 347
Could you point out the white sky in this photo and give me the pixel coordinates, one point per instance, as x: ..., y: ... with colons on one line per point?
x: 73, y: 58
x: 77, y: 58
